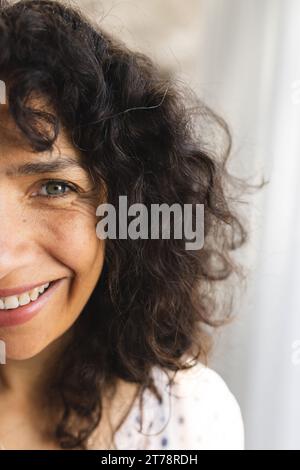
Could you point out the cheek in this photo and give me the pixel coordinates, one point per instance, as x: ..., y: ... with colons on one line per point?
x: 70, y: 237
x: 69, y: 245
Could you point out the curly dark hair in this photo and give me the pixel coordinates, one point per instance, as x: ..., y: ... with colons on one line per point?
x: 155, y: 302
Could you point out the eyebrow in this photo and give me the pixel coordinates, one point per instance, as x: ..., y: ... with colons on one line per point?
x: 33, y: 168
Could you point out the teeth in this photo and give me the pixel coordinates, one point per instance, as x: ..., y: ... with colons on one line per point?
x: 14, y: 301
x: 33, y: 294
x: 11, y: 302
x: 24, y: 299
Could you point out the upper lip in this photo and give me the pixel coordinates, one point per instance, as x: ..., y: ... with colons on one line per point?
x: 21, y: 290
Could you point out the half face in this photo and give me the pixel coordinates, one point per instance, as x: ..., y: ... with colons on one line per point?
x: 50, y: 256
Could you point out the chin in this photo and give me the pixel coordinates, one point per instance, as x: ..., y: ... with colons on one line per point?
x: 20, y: 349
x: 22, y: 352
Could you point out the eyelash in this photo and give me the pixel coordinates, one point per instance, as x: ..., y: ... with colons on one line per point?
x: 70, y: 187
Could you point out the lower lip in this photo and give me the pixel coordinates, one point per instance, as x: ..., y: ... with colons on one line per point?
x: 23, y: 314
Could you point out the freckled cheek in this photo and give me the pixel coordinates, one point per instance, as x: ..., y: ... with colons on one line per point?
x: 71, y: 238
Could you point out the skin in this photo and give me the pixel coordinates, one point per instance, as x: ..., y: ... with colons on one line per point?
x: 43, y: 239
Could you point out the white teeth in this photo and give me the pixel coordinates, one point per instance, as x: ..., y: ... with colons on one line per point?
x: 33, y: 294
x: 14, y: 301
x: 11, y: 302
x: 24, y: 299
x: 42, y: 288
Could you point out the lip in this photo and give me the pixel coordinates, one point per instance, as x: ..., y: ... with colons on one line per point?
x: 24, y: 313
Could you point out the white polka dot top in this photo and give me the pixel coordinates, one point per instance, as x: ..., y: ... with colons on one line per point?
x: 197, y: 412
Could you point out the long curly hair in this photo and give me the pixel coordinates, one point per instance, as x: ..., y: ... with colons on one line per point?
x: 145, y: 135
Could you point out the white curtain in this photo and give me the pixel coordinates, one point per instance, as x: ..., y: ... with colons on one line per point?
x: 249, y: 70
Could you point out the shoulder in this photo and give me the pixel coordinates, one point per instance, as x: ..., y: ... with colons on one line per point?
x: 197, y: 411
x: 204, y: 414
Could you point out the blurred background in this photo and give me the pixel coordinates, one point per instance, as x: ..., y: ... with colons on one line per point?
x: 242, y: 58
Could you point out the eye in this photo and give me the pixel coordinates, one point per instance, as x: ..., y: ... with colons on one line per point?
x: 55, y: 188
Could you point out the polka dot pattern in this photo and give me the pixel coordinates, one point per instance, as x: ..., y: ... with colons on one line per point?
x: 197, y: 412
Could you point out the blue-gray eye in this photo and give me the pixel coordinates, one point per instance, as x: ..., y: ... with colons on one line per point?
x: 55, y: 188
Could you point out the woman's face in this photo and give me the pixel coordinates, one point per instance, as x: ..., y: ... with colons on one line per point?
x: 47, y: 235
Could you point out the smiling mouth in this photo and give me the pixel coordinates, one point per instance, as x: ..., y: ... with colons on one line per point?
x: 13, y: 302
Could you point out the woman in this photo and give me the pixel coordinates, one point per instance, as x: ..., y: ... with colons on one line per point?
x: 106, y: 339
